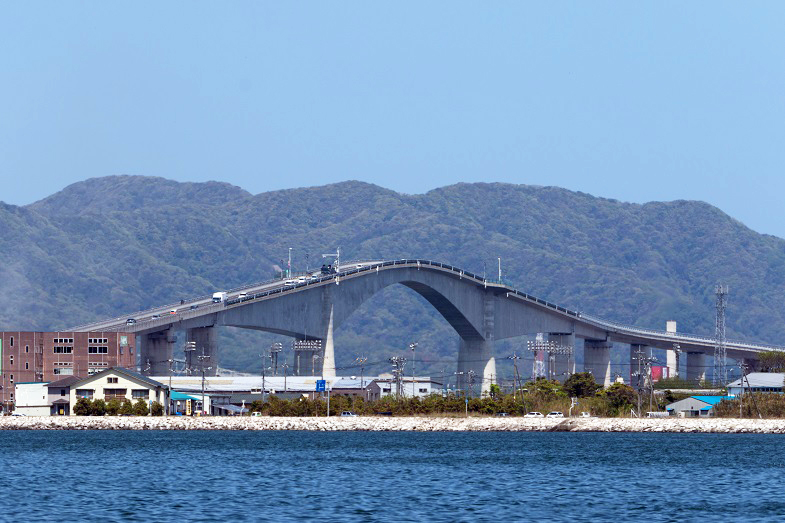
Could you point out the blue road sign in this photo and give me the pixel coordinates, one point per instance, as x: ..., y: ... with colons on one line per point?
x: 321, y: 385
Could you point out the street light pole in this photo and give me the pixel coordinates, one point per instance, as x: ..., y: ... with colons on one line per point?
x: 289, y: 271
x: 414, y: 376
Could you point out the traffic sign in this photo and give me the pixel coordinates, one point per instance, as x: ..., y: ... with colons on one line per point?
x: 321, y: 385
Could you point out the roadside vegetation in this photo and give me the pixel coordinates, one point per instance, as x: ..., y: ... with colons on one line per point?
x: 114, y: 407
x: 542, y: 395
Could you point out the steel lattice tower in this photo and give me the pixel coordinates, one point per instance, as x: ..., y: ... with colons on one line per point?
x: 720, y: 356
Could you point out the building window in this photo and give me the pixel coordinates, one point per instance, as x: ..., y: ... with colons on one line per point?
x: 63, y: 350
x: 27, y: 366
x: 12, y: 378
x: 63, y: 371
x: 12, y: 341
x: 98, y: 350
x: 84, y: 393
x: 27, y: 348
x: 62, y: 392
x: 12, y: 359
x: 423, y: 391
x: 114, y: 394
x: 140, y: 393
x: 111, y: 380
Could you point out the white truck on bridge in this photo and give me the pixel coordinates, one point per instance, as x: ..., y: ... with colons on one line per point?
x: 219, y: 297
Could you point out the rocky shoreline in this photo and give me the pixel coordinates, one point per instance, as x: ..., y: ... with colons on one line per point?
x: 417, y: 424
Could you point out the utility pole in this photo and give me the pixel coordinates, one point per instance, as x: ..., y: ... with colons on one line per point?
x: 470, y: 383
x: 262, y: 355
x: 275, y: 348
x: 414, y: 376
x: 289, y: 270
x: 398, y: 364
x: 190, y: 346
x: 515, y: 377
x: 360, y: 360
x: 285, y: 367
x: 169, y: 402
x: 500, y: 269
x: 202, y: 359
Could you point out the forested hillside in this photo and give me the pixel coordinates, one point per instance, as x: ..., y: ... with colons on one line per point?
x: 114, y: 245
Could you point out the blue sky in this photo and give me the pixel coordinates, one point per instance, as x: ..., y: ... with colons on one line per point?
x: 626, y: 100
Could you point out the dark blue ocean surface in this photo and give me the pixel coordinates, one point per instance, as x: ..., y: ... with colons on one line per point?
x: 389, y: 477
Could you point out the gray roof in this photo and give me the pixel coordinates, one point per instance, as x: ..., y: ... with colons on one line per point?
x: 64, y: 383
x: 761, y: 379
x: 125, y: 372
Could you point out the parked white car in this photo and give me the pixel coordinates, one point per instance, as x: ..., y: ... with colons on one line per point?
x: 533, y: 415
x: 555, y: 414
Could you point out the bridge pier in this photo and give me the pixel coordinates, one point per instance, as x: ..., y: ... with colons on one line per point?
x: 155, y: 351
x: 638, y: 353
x: 696, y: 367
x: 207, y: 345
x: 476, y: 356
x: 597, y: 360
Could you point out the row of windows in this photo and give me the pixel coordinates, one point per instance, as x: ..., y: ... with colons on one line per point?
x: 62, y: 350
x: 97, y: 350
x: 97, y: 340
x: 62, y: 340
x: 63, y: 371
x: 114, y: 393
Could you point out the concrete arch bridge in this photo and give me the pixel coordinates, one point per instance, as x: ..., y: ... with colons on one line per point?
x: 479, y: 310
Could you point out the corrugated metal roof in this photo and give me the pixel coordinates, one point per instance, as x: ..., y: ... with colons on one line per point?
x: 761, y: 379
x: 712, y: 400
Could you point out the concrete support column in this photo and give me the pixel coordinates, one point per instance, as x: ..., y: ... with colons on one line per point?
x: 597, y: 360
x: 155, y: 351
x: 637, y: 355
x: 328, y: 359
x: 475, y: 356
x: 207, y: 345
x: 564, y: 364
x: 696, y: 367
x: 672, y: 355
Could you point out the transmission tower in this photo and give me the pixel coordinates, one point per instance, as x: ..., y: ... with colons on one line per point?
x: 720, y: 360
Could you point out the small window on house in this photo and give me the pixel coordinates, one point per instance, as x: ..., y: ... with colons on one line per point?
x: 62, y: 392
x: 423, y: 391
x: 111, y: 380
x: 140, y: 393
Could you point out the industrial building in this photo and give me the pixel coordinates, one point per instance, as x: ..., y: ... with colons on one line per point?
x: 29, y: 356
x: 771, y: 382
x: 695, y: 406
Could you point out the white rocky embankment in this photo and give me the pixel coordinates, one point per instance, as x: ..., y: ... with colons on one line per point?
x: 712, y: 425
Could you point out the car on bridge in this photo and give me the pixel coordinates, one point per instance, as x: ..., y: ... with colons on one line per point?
x: 130, y: 321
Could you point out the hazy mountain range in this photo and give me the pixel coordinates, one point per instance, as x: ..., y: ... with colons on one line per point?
x: 114, y: 245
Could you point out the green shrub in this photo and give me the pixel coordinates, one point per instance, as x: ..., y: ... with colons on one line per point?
x: 126, y: 408
x: 83, y: 407
x: 157, y: 409
x: 98, y: 408
x: 140, y: 408
x: 113, y: 407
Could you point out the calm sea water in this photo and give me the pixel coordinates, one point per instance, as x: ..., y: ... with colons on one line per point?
x: 389, y: 477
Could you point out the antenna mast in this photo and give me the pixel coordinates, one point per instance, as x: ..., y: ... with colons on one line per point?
x: 720, y: 353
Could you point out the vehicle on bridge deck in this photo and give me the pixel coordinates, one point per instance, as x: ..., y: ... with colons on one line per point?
x: 242, y: 295
x: 533, y: 415
x: 290, y: 283
x: 218, y: 297
x: 194, y: 306
x: 155, y: 316
x: 173, y: 311
x: 130, y: 321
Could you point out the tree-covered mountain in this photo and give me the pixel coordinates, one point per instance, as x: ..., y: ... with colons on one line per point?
x: 114, y: 245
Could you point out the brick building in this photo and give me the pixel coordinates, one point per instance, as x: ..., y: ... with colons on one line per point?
x: 50, y: 356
